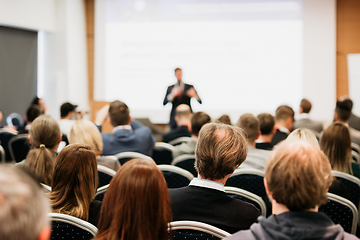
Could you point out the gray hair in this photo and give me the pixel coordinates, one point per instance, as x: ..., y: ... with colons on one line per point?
x: 23, y: 205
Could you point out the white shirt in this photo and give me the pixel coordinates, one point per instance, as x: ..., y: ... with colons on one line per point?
x: 283, y: 129
x: 66, y: 125
x: 207, y: 184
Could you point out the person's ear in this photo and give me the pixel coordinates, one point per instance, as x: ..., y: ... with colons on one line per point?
x: 336, y: 116
x: 60, y: 139
x: 301, y: 110
x: 268, y: 192
x: 176, y: 118
x: 45, y: 233
x: 130, y: 119
x: 30, y: 139
x: 274, y: 131
x: 259, y: 133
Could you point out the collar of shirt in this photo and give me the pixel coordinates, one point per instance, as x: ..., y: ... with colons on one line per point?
x: 207, y: 184
x: 122, y: 127
x: 283, y: 129
x: 304, y: 115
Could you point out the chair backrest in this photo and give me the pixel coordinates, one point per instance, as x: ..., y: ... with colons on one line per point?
x: 352, y: 184
x: 191, y: 230
x: 355, y: 156
x: 180, y: 140
x: 109, y: 161
x: 247, y: 196
x: 100, y: 192
x: 250, y: 180
x: 355, y: 147
x: 5, y: 137
x: 126, y: 156
x: 175, y: 177
x: 46, y: 188
x: 186, y: 161
x: 341, y: 211
x: 69, y: 227
x: 19, y: 147
x: 2, y: 154
x: 15, y: 119
x: 105, y: 175
x: 162, y: 153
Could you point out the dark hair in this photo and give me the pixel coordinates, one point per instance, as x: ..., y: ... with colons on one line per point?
x: 284, y: 112
x: 33, y: 112
x: 35, y: 101
x: 343, y: 109
x: 267, y: 123
x: 119, y: 113
x: 305, y: 105
x: 136, y: 205
x: 198, y: 120
x: 224, y: 119
x: 250, y: 124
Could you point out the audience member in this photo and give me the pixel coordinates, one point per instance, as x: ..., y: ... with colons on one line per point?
x: 224, y: 119
x: 219, y: 151
x: 84, y: 131
x: 183, y: 116
x: 354, y: 121
x: 284, y: 118
x: 74, y: 183
x: 67, y: 117
x: 304, y: 120
x: 40, y: 102
x: 336, y: 144
x: 45, y: 137
x: 136, y: 205
x: 267, y: 131
x: 297, y: 177
x: 197, y: 121
x: 342, y: 114
x: 128, y: 135
x: 256, y: 158
x: 31, y: 113
x: 23, y: 207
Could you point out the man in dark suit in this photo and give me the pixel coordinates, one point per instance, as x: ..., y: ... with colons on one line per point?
x: 305, y: 121
x: 284, y: 118
x: 267, y: 124
x: 179, y: 93
x: 183, y: 116
x: 219, y: 151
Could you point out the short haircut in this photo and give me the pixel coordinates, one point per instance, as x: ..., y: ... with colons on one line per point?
x: 304, y: 135
x: 220, y: 149
x: 23, y: 206
x: 119, y: 113
x: 84, y: 131
x: 183, y: 111
x: 177, y: 69
x: 66, y: 108
x: 250, y: 124
x: 267, y: 123
x: 284, y: 112
x: 343, y: 109
x: 224, y: 119
x: 33, y: 112
x: 305, y: 105
x: 298, y: 175
x: 198, y: 120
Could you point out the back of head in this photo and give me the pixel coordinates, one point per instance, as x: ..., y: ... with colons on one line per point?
x: 220, y: 149
x: 304, y: 135
x: 23, y: 205
x: 66, y: 108
x: 44, y: 130
x: 74, y: 181
x: 250, y: 124
x: 84, y: 131
x: 198, y: 120
x: 136, y: 204
x: 224, y: 119
x: 336, y: 144
x: 119, y: 113
x: 298, y: 175
x: 183, y: 111
x: 284, y: 112
x: 343, y: 109
x: 33, y: 112
x: 305, y: 105
x: 267, y: 123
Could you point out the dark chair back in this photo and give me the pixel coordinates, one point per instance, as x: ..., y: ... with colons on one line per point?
x: 5, y: 137
x: 187, y: 162
x: 105, y: 175
x: 175, y: 177
x: 2, y: 155
x: 126, y: 156
x: 19, y: 147
x: 192, y: 230
x: 180, y: 140
x: 352, y: 185
x: 162, y: 153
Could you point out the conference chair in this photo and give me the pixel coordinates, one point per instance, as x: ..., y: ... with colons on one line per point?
x: 126, y: 156
x: 247, y: 196
x: 250, y: 180
x: 2, y: 154
x: 175, y: 177
x: 178, y: 141
x: 341, y: 211
x: 187, y: 162
x: 46, y: 188
x: 109, y: 162
x: 105, y: 175
x: 355, y: 156
x: 355, y: 147
x: 100, y: 192
x: 69, y: 227
x: 15, y: 119
x: 19, y: 147
x: 352, y: 185
x: 5, y: 137
x: 162, y: 153
x: 192, y: 230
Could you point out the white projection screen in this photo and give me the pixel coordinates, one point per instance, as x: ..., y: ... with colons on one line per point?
x: 240, y: 55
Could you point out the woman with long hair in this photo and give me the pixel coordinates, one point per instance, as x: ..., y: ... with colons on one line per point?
x: 44, y: 136
x: 335, y: 142
x: 136, y: 205
x: 74, y: 183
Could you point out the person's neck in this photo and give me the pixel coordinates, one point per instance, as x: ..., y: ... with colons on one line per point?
x: 278, y: 208
x: 252, y: 143
x: 222, y: 181
x: 266, y: 138
x: 195, y: 138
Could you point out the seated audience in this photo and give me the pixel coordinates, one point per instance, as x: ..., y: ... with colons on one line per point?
x: 197, y: 121
x: 256, y: 158
x: 336, y: 144
x: 183, y: 116
x: 67, y: 117
x: 74, y: 183
x: 284, y: 118
x: 220, y: 149
x: 128, y: 135
x: 354, y: 121
x: 304, y: 120
x: 23, y: 206
x: 224, y: 119
x: 45, y: 137
x: 297, y: 177
x: 31, y: 113
x: 136, y: 205
x: 342, y: 114
x: 267, y: 131
x: 40, y: 102
x: 84, y: 131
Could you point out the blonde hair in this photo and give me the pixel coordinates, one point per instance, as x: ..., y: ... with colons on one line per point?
x: 304, y: 135
x: 84, y: 131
